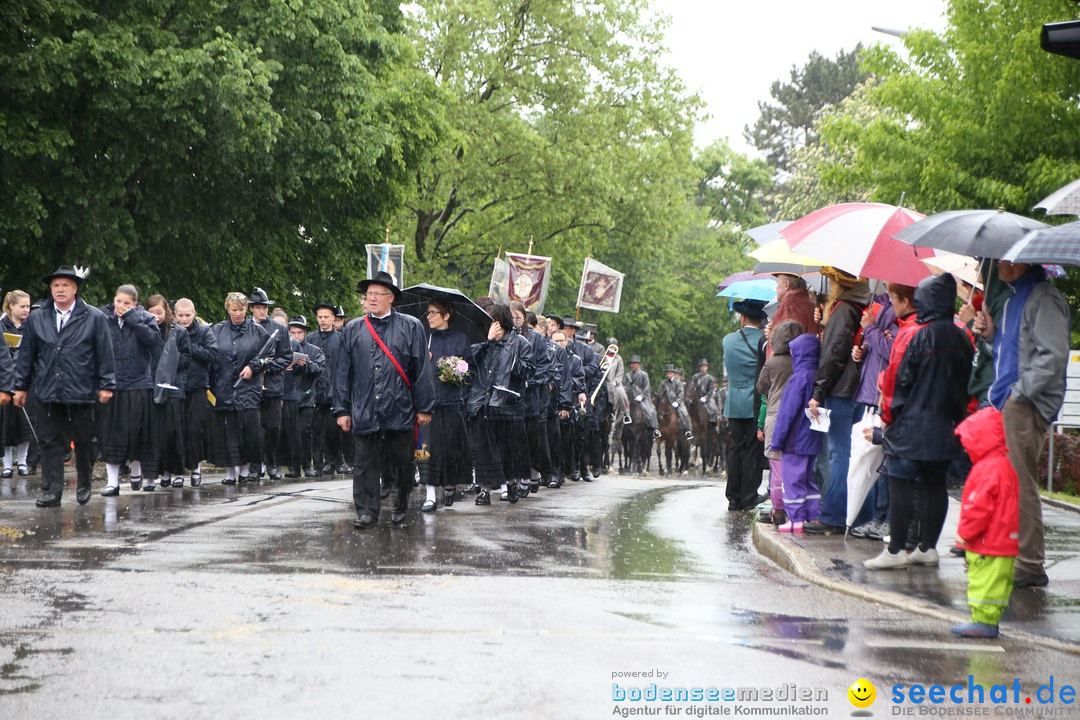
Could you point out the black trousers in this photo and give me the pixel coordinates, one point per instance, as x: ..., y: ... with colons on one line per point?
x: 389, y: 455
x: 290, y: 444
x: 904, y: 511
x: 57, y: 425
x: 307, y: 438
x: 568, y: 457
x: 744, y: 463
x: 196, y: 427
x: 555, y: 446
x: 270, y: 419
x: 539, y: 453
x: 326, y: 437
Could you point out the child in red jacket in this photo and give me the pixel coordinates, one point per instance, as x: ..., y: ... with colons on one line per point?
x: 989, y: 526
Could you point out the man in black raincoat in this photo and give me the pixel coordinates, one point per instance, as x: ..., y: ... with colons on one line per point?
x: 383, y: 390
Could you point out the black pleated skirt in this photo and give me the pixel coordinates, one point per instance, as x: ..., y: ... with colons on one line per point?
x: 447, y: 439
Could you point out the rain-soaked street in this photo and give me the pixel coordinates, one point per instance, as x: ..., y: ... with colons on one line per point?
x: 218, y: 602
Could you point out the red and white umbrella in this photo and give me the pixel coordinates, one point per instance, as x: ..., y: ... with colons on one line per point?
x: 858, y: 238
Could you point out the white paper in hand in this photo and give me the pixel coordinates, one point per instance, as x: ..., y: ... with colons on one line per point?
x: 821, y: 424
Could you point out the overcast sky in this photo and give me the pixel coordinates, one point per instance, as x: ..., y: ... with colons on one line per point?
x: 730, y: 51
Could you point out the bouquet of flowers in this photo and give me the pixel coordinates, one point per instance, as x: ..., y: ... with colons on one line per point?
x: 453, y: 370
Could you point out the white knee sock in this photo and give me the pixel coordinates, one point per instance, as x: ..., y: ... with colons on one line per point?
x: 23, y: 450
x: 7, y: 457
x: 136, y: 468
x: 112, y: 475
x: 430, y: 492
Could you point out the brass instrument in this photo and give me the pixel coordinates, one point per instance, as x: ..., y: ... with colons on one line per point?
x: 605, y: 365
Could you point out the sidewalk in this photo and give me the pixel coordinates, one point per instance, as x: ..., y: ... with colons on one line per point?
x: 1049, y: 616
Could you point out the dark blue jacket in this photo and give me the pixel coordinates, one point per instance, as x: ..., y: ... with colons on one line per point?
x: 299, y: 381
x: 239, y: 346
x: 134, y: 347
x: 273, y: 379
x: 503, y: 368
x: 330, y: 343
x: 792, y: 433
x: 70, y: 366
x: 450, y: 343
x: 537, y: 391
x: 179, y: 337
x: 367, y: 386
x: 570, y: 382
x: 203, y: 355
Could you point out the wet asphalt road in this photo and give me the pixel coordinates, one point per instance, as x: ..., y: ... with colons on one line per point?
x: 226, y: 602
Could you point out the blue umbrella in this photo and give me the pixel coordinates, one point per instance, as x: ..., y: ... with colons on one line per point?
x: 764, y: 290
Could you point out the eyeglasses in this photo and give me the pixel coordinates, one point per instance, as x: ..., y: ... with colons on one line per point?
x: 375, y: 295
x: 431, y: 313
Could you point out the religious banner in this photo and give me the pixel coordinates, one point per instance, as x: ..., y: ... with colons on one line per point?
x: 601, y: 287
x: 529, y: 276
x: 499, y: 287
x: 387, y: 258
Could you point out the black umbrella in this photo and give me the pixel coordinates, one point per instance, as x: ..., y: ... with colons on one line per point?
x: 468, y: 317
x: 1060, y: 244
x: 168, y: 363
x: 976, y: 233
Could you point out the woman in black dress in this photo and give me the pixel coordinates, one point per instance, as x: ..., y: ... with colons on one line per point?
x: 170, y: 366
x: 14, y: 427
x: 449, y: 463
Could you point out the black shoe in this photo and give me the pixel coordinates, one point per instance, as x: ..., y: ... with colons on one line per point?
x: 523, y: 491
x: 111, y: 491
x: 136, y: 482
x: 196, y: 478
x: 344, y: 469
x: 397, y: 517
x: 586, y: 478
x: 483, y: 497
x: 512, y: 492
x: 48, y: 501
x: 245, y: 479
x: 274, y: 473
x: 23, y: 471
x: 178, y: 483
x: 429, y: 506
x: 148, y: 487
x: 8, y: 472
x: 294, y: 472
x: 384, y: 491
x: 165, y: 483
x: 471, y: 489
x: 311, y: 472
x: 816, y: 527
x: 224, y: 481
x: 448, y: 496
x: 1020, y: 580
x: 82, y: 495
x: 575, y: 477
x: 364, y: 522
x: 553, y: 483
x: 327, y: 469
x: 534, y: 487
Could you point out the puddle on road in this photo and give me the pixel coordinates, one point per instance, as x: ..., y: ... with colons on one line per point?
x: 636, y: 553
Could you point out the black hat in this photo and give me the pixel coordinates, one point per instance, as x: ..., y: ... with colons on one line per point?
x: 339, y: 311
x: 258, y: 296
x: 590, y: 327
x: 703, y: 361
x: 569, y: 321
x: 612, y: 341
x: 678, y: 371
x: 78, y: 274
x: 670, y: 367
x: 557, y: 319
x: 381, y: 278
x: 635, y: 359
x: 324, y: 304
x: 753, y: 309
x: 299, y: 321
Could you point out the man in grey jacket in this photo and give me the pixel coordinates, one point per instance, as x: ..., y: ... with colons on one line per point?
x: 1031, y: 350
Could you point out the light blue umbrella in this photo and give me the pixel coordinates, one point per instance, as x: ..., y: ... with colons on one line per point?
x: 764, y: 290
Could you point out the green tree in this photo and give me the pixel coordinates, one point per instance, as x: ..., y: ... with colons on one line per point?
x: 788, y: 122
x: 198, y: 147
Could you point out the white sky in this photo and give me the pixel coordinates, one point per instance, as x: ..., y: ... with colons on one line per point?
x: 730, y: 51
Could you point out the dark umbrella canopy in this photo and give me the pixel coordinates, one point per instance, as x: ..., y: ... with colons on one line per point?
x: 976, y: 233
x: 468, y: 317
x: 1059, y: 244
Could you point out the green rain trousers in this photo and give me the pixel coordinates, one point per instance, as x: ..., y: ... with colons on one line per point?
x: 990, y: 582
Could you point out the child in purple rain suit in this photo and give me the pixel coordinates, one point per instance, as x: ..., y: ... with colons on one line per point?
x: 793, y: 437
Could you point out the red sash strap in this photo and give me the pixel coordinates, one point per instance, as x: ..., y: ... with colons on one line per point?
x: 381, y: 344
x: 390, y: 355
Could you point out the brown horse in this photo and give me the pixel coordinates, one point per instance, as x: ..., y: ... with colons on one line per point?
x: 637, y: 442
x: 706, y: 435
x: 674, y: 441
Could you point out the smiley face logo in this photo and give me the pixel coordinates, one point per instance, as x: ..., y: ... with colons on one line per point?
x: 862, y: 693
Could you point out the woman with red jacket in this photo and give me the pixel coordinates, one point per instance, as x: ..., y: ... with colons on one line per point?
x: 989, y: 528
